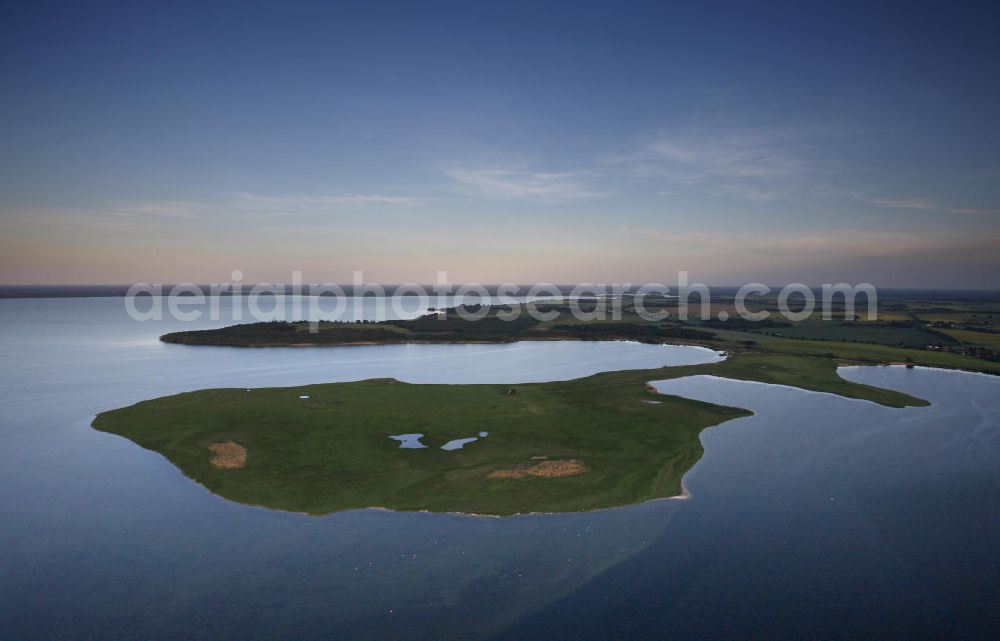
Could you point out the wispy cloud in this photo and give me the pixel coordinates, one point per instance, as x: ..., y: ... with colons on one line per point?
x: 168, y: 209
x: 925, y: 205
x: 740, y: 154
x: 842, y: 245
x: 342, y: 200
x: 757, y: 164
x: 507, y: 184
x: 233, y: 208
x: 249, y: 204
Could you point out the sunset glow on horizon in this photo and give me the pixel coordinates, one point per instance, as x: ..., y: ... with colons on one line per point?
x: 505, y: 143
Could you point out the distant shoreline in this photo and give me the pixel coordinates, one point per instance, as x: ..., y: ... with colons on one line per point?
x: 119, y: 291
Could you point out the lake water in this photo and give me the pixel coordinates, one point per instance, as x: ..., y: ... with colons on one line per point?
x: 459, y: 443
x: 818, y: 517
x: 408, y: 441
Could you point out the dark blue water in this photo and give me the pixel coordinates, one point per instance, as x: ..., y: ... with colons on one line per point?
x: 819, y: 517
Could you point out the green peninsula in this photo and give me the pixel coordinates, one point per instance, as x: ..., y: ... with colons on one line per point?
x: 602, y: 441
x: 956, y: 334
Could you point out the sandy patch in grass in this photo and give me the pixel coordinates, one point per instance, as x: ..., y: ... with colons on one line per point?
x: 228, y: 455
x: 545, y: 469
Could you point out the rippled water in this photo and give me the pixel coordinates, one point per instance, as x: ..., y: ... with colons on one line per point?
x: 817, y: 517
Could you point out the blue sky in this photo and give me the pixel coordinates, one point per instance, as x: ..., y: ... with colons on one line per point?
x: 812, y: 142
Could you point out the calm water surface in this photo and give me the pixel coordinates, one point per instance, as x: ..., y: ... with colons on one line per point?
x: 818, y: 517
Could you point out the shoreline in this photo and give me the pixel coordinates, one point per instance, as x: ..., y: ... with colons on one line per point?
x: 685, y: 493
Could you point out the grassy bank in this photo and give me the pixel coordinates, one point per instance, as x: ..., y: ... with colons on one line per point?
x: 958, y: 339
x: 332, y: 451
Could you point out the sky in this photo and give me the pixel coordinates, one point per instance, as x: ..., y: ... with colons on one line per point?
x: 814, y: 142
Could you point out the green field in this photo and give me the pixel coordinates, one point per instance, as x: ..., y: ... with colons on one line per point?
x: 984, y: 318
x: 332, y: 451
x: 854, y: 353
x: 989, y: 340
x: 893, y: 333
